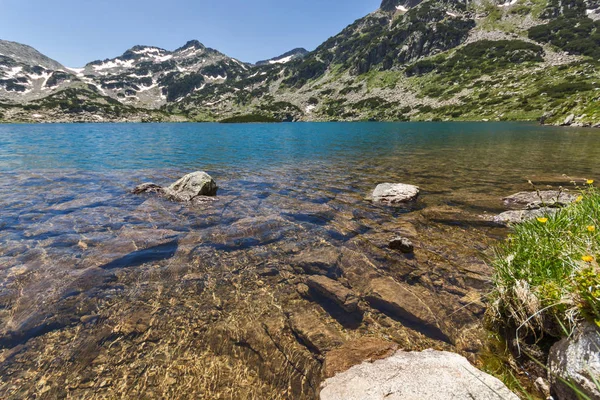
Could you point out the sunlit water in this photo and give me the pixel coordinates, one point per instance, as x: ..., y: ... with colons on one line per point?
x: 74, y: 240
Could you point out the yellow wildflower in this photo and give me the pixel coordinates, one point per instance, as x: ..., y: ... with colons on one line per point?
x: 579, y: 199
x: 590, y: 182
x: 542, y: 220
x: 591, y: 228
x: 587, y: 258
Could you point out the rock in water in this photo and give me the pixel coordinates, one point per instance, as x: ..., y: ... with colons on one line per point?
x: 518, y: 216
x: 395, y: 193
x: 576, y: 359
x: 192, y: 187
x: 535, y: 200
x: 428, y: 375
x: 402, y: 244
x: 147, y: 188
x: 356, y: 352
x: 334, y: 291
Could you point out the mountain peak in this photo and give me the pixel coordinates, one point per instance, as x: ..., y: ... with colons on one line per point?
x: 27, y: 55
x: 191, y: 44
x: 294, y: 54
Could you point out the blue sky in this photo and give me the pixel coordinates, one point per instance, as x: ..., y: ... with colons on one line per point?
x: 77, y: 32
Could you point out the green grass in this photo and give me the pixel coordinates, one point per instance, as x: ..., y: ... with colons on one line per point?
x: 547, y: 274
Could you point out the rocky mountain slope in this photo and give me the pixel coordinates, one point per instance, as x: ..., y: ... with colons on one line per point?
x: 409, y: 60
x: 291, y: 55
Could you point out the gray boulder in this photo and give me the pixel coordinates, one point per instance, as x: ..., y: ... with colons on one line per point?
x: 428, y: 375
x: 395, y: 193
x: 535, y: 200
x: 569, y: 120
x: 196, y: 184
x: 577, y: 360
x: 195, y: 187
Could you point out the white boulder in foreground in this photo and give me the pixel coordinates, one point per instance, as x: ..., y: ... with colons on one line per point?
x: 430, y: 375
x: 394, y: 193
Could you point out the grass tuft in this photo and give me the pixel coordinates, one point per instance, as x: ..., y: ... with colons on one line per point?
x: 547, y: 273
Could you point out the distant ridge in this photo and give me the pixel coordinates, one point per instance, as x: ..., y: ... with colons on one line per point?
x: 285, y: 57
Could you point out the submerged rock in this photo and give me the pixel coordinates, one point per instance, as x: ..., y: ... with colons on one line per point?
x: 536, y: 200
x: 408, y: 303
x: 356, y: 352
x: 402, y: 244
x: 395, y: 193
x: 314, y: 333
x: 577, y: 360
x: 334, y: 291
x: 197, y: 186
x: 415, y: 376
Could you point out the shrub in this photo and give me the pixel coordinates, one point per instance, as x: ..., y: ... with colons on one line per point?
x: 575, y: 35
x: 240, y: 119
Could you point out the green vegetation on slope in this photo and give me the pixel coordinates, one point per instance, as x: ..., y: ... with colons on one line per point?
x: 249, y: 118
x: 575, y: 35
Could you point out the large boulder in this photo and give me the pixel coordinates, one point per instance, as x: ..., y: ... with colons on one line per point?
x: 577, y: 360
x: 536, y: 200
x: 395, y: 193
x: 192, y: 187
x: 428, y: 375
x: 334, y: 291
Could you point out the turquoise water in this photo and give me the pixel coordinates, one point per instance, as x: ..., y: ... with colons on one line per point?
x: 77, y: 246
x: 94, y: 147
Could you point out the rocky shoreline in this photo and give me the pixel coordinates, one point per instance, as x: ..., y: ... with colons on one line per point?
x: 351, y: 369
x: 264, y: 291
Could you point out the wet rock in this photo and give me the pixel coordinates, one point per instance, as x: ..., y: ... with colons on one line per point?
x: 148, y: 187
x: 537, y: 200
x: 268, y: 271
x: 407, y: 303
x: 402, y: 244
x: 576, y: 359
x: 196, y: 184
x: 517, y: 216
x: 88, y: 319
x: 415, y: 376
x: 356, y: 352
x: 195, y: 187
x: 320, y: 261
x: 395, y: 193
x: 334, y: 291
x: 314, y: 333
x: 303, y: 290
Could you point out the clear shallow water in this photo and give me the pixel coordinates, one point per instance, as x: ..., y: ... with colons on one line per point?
x: 76, y: 246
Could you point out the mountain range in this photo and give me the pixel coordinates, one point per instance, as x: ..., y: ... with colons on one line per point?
x: 409, y: 60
